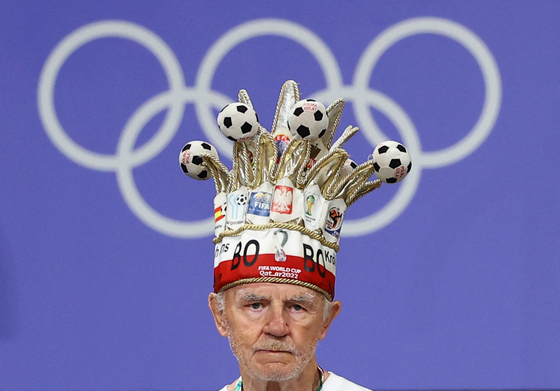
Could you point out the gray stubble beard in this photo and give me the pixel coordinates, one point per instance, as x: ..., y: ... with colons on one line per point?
x: 301, y: 360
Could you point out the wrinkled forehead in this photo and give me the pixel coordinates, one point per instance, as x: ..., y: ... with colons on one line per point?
x: 273, y: 291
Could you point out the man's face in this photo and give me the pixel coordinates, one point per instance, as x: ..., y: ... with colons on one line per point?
x: 273, y: 329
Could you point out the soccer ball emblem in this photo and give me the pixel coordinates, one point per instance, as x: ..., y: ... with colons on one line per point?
x: 238, y: 122
x: 241, y: 199
x: 191, y: 162
x: 391, y: 161
x: 308, y: 120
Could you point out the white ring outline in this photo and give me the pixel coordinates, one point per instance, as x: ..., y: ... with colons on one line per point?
x: 202, y: 96
x: 407, y: 188
x: 55, y: 61
x: 475, y: 46
x: 241, y: 33
x: 125, y: 177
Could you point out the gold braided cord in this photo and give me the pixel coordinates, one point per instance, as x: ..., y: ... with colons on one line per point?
x: 334, y: 111
x: 269, y: 152
x: 288, y: 226
x: 359, y: 176
x: 292, y: 159
x: 243, y: 97
x: 289, y: 96
x: 327, y: 170
x: 301, y: 177
x: 219, y: 172
x: 364, y: 189
x: 346, y: 135
x: 264, y: 159
x: 276, y: 280
x: 245, y: 173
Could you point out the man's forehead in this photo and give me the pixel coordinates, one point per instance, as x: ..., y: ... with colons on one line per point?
x: 274, y: 291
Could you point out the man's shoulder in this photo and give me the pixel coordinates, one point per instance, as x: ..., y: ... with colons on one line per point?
x: 338, y: 383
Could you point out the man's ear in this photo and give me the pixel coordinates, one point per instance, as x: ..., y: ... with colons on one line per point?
x: 219, y: 315
x: 335, y: 308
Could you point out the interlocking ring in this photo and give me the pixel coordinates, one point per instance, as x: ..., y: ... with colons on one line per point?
x: 204, y: 98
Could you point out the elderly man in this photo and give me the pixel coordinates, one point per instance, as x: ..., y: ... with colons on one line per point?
x: 273, y: 330
x: 278, y: 215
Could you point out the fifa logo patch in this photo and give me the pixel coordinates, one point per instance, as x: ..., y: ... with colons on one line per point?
x: 259, y: 203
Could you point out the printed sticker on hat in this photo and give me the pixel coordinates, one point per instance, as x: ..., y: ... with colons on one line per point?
x: 282, y: 137
x: 335, y: 210
x: 220, y: 202
x: 313, y: 203
x: 260, y: 200
x: 236, y: 208
x: 286, y: 201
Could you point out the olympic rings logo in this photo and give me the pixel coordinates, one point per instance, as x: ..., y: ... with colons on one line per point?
x: 205, y: 99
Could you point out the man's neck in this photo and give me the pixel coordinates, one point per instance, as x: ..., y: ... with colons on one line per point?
x: 309, y: 380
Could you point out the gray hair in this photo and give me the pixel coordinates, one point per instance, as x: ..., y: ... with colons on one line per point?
x: 221, y: 301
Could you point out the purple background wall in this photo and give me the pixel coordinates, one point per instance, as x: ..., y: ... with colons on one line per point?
x: 459, y: 287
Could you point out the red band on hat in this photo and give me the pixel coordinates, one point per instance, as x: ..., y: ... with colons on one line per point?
x: 294, y: 268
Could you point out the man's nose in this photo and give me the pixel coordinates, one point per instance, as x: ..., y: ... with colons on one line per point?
x: 277, y: 322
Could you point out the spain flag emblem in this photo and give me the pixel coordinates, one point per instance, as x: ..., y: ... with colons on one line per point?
x: 218, y: 215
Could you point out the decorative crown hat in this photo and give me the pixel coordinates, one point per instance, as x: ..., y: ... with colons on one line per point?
x: 279, y: 211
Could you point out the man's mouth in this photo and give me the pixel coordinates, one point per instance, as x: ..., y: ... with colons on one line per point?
x: 275, y: 349
x: 272, y: 351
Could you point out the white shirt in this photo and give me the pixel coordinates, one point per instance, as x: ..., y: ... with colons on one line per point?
x: 335, y: 383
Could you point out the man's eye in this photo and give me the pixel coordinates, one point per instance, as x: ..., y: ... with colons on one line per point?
x: 297, y: 307
x: 256, y: 306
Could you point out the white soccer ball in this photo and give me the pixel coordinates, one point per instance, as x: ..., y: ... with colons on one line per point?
x: 391, y: 161
x: 308, y: 120
x: 238, y: 122
x: 191, y: 161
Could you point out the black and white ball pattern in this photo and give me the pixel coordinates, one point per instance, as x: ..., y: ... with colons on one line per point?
x: 391, y: 161
x: 238, y: 122
x: 308, y: 120
x: 349, y: 166
x: 191, y: 161
x: 241, y: 199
